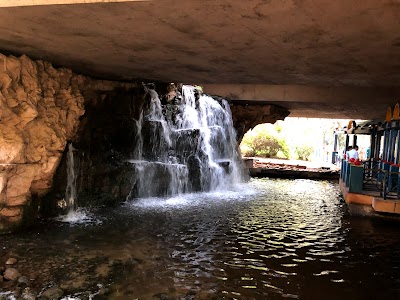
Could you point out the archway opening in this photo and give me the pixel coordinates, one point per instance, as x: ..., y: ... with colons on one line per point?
x: 311, y: 142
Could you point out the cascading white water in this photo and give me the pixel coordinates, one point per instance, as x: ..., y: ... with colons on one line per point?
x: 218, y: 141
x: 185, y: 147
x: 74, y: 214
x: 70, y: 191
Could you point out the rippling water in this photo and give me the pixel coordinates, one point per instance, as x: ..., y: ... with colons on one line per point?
x: 269, y: 239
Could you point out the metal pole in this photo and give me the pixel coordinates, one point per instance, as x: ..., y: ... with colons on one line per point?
x: 377, y: 144
x: 397, y: 158
x: 372, y: 146
x: 335, y: 150
x: 392, y: 140
x: 385, y: 142
x: 335, y: 142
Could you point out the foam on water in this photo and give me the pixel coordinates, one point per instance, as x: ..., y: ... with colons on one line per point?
x: 79, y: 217
x: 84, y: 295
x: 8, y: 296
x: 240, y: 192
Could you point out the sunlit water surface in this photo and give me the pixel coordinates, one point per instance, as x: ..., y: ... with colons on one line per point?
x: 269, y: 239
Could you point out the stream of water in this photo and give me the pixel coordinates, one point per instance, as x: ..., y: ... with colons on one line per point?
x: 267, y: 239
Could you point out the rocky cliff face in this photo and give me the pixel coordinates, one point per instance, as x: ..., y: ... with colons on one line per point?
x: 39, y: 111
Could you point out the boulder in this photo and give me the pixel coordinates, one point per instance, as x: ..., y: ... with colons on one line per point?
x: 11, y: 261
x: 11, y: 274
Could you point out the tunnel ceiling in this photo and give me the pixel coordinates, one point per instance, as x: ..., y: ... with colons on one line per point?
x: 277, y: 42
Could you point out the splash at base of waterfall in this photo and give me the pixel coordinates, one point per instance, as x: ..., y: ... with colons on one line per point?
x: 240, y: 192
x: 79, y: 216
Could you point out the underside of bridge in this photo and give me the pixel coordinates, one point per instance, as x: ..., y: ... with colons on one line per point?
x: 324, y: 58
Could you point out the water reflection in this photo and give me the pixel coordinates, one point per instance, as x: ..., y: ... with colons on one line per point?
x: 270, y: 239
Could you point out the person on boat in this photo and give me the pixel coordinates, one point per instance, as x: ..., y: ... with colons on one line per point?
x: 353, y: 153
x: 346, y: 155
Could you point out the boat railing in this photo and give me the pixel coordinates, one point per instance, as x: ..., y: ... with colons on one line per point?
x: 371, y: 178
x: 390, y: 184
x: 386, y: 182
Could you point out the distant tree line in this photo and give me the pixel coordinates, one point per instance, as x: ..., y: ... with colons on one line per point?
x: 265, y: 141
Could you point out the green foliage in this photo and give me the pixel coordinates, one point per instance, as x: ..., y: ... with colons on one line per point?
x: 304, y: 152
x: 266, y: 146
x: 263, y: 141
x: 284, y: 152
x: 247, y: 151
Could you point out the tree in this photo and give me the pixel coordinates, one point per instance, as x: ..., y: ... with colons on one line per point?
x: 263, y: 141
x: 304, y: 152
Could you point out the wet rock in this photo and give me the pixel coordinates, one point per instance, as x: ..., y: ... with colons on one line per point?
x: 1, y: 279
x: 27, y: 294
x: 102, y: 291
x: 11, y: 274
x: 53, y: 293
x: 190, y: 295
x: 23, y: 281
x: 161, y: 296
x: 11, y: 261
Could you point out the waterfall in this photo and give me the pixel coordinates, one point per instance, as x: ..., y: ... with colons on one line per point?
x: 74, y: 213
x: 70, y: 191
x: 186, y: 146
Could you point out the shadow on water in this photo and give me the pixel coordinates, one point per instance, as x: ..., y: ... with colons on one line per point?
x: 268, y: 239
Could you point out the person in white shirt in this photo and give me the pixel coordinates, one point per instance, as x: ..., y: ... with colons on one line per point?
x: 346, y: 155
x: 353, y: 153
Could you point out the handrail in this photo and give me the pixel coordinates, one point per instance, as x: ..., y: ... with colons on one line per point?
x: 385, y: 181
x: 388, y: 184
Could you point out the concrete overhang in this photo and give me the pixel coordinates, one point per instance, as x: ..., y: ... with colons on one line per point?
x: 14, y: 3
x: 313, y: 101
x: 344, y: 51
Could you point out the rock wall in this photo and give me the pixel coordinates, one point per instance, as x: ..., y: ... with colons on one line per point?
x: 40, y: 111
x: 104, y: 143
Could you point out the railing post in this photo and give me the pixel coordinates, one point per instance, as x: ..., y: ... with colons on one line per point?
x: 393, y: 175
x: 384, y: 184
